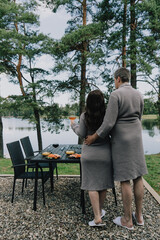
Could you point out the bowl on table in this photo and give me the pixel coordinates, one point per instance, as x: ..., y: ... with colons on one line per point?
x: 45, y: 153
x: 69, y: 152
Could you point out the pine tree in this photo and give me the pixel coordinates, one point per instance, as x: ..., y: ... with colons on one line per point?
x: 133, y: 37
x: 20, y: 46
x: 126, y: 33
x: 78, y: 51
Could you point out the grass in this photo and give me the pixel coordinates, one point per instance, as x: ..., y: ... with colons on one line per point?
x: 153, y: 176
x: 63, y: 168
x: 5, y: 166
x: 153, y: 164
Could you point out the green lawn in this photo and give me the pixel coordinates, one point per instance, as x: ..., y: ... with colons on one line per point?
x: 153, y: 176
x: 153, y: 164
x: 63, y: 168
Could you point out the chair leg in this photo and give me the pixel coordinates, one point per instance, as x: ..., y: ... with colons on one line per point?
x: 114, y: 192
x: 14, y: 183
x: 23, y: 185
x: 26, y: 179
x: 26, y: 183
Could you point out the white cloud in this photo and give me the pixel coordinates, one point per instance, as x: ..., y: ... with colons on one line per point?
x: 7, y: 88
x: 51, y: 23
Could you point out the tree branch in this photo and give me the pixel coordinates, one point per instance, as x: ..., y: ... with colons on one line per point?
x: 146, y: 81
x: 25, y: 78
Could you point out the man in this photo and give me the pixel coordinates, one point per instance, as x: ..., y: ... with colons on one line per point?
x: 122, y: 121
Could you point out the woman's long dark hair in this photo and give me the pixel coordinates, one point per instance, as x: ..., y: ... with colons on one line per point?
x: 95, y: 110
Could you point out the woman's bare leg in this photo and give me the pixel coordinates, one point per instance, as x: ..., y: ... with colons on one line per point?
x: 94, y: 198
x: 102, y: 197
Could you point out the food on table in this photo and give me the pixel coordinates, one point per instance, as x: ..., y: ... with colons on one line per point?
x: 69, y: 152
x: 55, y: 156
x: 76, y: 155
x: 45, y: 153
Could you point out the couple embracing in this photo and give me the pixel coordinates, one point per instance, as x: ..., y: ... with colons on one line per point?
x: 113, y: 149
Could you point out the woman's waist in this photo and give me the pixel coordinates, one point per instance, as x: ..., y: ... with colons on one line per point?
x: 100, y: 141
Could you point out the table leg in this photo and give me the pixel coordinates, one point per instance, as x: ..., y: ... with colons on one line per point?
x: 35, y: 188
x: 51, y: 176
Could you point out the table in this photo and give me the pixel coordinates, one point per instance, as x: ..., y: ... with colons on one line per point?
x: 61, y: 150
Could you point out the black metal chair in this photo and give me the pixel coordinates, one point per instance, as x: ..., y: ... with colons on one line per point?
x: 19, y: 166
x: 28, y: 150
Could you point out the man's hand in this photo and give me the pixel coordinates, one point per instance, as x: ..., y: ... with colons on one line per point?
x: 91, y: 138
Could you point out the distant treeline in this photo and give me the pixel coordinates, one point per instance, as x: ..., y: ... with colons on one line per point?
x: 65, y: 111
x: 150, y: 107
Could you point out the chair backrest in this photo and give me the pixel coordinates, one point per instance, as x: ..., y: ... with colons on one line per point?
x: 17, y: 157
x: 27, y: 147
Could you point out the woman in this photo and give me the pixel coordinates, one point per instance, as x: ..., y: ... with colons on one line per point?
x: 96, y: 162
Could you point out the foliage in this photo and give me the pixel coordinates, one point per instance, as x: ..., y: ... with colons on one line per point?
x: 141, y: 38
x: 79, y: 52
x: 150, y: 107
x: 21, y: 45
x: 69, y: 110
x: 104, y: 35
x: 19, y: 106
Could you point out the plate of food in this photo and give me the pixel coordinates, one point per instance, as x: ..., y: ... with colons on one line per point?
x: 45, y: 153
x: 76, y: 155
x: 69, y: 152
x: 53, y: 156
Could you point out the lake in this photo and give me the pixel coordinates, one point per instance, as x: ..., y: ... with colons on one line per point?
x: 16, y: 128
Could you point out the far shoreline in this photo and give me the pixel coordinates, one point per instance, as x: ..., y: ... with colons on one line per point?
x: 144, y: 117
x: 149, y: 116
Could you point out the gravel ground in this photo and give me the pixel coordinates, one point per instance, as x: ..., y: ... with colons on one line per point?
x: 62, y: 219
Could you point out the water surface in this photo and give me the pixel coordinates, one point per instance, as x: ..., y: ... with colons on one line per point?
x: 15, y: 128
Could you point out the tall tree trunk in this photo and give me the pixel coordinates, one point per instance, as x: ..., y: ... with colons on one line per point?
x: 83, y: 79
x: 124, y: 34
x: 83, y: 62
x: 133, y: 45
x: 37, y: 117
x: 19, y: 76
x: 1, y: 137
x: 18, y: 67
x: 83, y: 66
x: 38, y: 128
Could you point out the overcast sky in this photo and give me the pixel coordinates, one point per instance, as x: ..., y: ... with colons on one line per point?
x: 53, y: 24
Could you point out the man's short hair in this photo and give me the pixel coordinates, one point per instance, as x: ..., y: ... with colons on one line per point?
x: 123, y: 73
